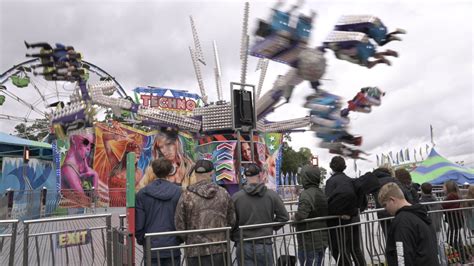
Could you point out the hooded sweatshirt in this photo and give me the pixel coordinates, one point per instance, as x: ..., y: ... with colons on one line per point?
x: 384, y: 178
x: 411, y: 239
x: 436, y: 217
x: 204, y: 205
x: 255, y: 204
x: 155, y: 207
x: 312, y: 203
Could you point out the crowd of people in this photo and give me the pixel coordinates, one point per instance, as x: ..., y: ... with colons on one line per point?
x: 412, y: 234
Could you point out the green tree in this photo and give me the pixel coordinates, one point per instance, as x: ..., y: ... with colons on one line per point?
x: 37, y: 131
x: 292, y: 160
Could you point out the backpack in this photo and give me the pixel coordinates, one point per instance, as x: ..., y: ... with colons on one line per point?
x: 366, y: 184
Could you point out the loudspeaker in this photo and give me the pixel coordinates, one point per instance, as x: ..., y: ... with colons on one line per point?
x: 243, y: 109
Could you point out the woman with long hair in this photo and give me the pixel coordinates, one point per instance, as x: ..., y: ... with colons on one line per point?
x: 470, y: 212
x: 454, y: 218
x: 168, y: 145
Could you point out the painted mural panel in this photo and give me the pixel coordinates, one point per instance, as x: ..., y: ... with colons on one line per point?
x: 222, y: 150
x: 27, y: 180
x: 179, y: 148
x: 113, y: 142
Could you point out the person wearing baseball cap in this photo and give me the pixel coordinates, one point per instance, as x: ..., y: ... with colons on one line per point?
x: 255, y: 204
x: 204, y: 205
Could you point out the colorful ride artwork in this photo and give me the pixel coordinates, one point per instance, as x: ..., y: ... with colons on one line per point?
x: 183, y: 126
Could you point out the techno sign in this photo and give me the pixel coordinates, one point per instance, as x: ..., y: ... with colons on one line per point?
x: 180, y: 100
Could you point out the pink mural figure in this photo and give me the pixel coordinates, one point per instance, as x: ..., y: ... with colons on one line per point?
x: 76, y: 173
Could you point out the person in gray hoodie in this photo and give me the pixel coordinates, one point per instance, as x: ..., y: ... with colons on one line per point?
x: 312, y: 203
x: 155, y: 207
x: 255, y: 204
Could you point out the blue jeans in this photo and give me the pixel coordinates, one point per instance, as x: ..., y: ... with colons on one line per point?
x: 218, y: 259
x: 175, y: 261
x: 306, y: 258
x: 255, y: 254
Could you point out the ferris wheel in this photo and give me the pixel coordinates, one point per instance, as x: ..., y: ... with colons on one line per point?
x: 28, y: 98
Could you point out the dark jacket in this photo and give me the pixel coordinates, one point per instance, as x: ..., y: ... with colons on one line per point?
x: 342, y: 198
x: 385, y: 178
x: 454, y: 219
x: 411, y: 238
x: 155, y: 207
x: 364, y: 185
x: 204, y: 205
x: 312, y: 203
x: 414, y: 197
x: 436, y: 217
x: 255, y: 204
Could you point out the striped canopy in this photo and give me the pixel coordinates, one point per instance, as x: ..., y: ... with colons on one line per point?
x: 436, y: 170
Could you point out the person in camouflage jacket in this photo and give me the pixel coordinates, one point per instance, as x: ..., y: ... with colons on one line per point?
x: 204, y: 205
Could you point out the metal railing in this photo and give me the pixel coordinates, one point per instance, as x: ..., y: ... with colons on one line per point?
x: 349, y: 242
x: 210, y: 253
x: 8, y: 233
x: 289, y: 192
x: 86, y: 240
x: 122, y: 248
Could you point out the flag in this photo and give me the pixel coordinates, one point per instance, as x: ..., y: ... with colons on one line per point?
x: 401, y: 156
x: 355, y: 166
x: 414, y: 154
x: 407, y: 154
x: 377, y: 160
x: 431, y: 134
x: 427, y: 148
x: 391, y: 157
x: 421, y: 155
x: 398, y: 161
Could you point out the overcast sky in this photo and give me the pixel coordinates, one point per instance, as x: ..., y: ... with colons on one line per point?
x: 144, y: 43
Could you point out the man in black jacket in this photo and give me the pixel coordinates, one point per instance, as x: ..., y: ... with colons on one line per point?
x: 343, y: 201
x: 411, y: 239
x: 155, y: 209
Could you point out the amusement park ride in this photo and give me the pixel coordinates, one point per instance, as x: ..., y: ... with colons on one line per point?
x: 355, y: 39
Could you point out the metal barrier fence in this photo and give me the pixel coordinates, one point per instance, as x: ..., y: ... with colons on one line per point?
x: 126, y: 247
x: 122, y: 248
x: 289, y: 192
x: 80, y: 240
x: 34, y: 204
x: 351, y: 242
x: 8, y: 232
x: 209, y: 253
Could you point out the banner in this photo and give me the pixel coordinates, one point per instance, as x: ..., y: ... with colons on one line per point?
x: 32, y: 177
x: 115, y: 141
